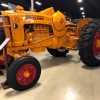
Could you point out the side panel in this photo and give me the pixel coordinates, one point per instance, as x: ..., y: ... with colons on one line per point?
x: 18, y: 33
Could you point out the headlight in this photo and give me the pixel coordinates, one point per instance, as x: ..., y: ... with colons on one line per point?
x: 15, y: 26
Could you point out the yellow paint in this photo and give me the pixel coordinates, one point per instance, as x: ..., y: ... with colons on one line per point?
x: 81, y: 24
x: 98, y: 43
x: 49, y: 11
x: 39, y: 30
x: 27, y: 74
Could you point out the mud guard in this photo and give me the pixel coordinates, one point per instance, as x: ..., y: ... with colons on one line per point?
x: 81, y: 24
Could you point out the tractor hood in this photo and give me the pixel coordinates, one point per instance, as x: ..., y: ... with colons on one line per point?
x: 48, y: 12
x: 20, y: 15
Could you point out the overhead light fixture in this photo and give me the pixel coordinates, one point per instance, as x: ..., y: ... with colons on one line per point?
x: 83, y: 16
x: 81, y: 8
x: 4, y: 5
x: 38, y: 3
x: 79, y: 0
x: 83, y: 13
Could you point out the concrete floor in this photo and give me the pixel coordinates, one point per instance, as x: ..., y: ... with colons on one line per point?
x: 65, y: 78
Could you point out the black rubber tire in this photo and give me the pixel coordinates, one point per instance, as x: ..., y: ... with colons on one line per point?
x: 15, y: 66
x: 2, y: 35
x: 3, y: 66
x: 86, y: 43
x: 56, y: 53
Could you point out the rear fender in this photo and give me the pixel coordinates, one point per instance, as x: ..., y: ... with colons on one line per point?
x: 81, y: 25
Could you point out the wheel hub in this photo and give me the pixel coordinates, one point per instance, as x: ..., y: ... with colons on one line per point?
x: 26, y: 74
x: 96, y: 45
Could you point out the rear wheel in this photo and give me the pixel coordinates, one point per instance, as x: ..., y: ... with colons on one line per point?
x: 24, y: 73
x: 89, y: 44
x: 57, y: 52
x: 2, y: 62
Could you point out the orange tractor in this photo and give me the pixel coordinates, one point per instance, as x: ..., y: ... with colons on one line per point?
x: 39, y: 31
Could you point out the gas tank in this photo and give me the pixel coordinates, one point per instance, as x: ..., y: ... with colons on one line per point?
x: 59, y: 21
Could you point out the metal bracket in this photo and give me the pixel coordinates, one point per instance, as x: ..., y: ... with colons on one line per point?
x: 5, y: 85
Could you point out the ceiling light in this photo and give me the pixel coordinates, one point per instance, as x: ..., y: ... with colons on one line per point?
x: 79, y: 0
x: 38, y: 3
x: 83, y: 13
x: 81, y: 8
x: 5, y: 5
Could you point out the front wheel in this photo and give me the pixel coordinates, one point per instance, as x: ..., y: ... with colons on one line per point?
x: 89, y: 44
x: 58, y: 52
x: 24, y: 73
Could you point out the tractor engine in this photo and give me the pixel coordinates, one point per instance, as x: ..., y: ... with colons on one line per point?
x: 36, y: 32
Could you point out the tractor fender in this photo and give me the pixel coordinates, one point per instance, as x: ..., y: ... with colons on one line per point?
x: 81, y: 24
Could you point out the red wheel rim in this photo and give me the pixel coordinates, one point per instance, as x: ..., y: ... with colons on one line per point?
x: 2, y: 62
x: 96, y: 45
x: 30, y: 71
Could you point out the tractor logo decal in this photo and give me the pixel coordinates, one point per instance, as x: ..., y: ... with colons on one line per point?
x: 61, y: 21
x: 34, y: 17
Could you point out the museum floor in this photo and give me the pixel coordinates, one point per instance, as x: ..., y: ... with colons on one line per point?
x: 65, y: 78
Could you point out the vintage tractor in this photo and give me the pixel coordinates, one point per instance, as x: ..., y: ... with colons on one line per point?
x: 39, y: 31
